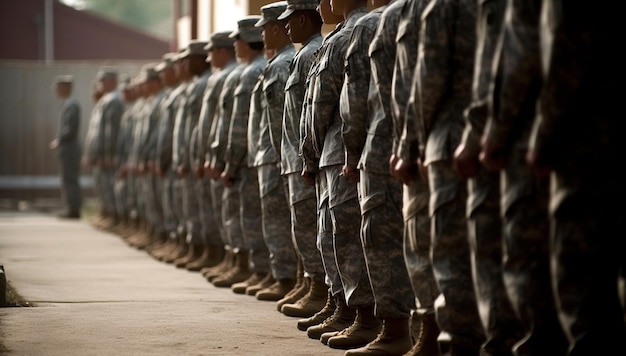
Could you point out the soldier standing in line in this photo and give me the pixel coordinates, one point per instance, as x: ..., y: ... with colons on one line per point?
x: 67, y: 143
x: 304, y: 27
x: 442, y: 90
x: 525, y: 196
x: 343, y: 204
x: 195, y: 56
x: 240, y: 181
x: 100, y: 151
x: 381, y: 194
x: 501, y: 325
x: 578, y: 136
x: 272, y: 187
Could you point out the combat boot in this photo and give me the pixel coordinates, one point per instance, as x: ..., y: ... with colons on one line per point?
x: 321, y: 315
x: 364, y: 330
x: 193, y: 253
x: 267, y: 281
x: 239, y: 273
x: 211, y: 256
x: 221, y: 268
x: 240, y: 288
x: 311, y: 303
x: 342, y: 317
x: 276, y: 291
x: 181, y: 250
x: 395, y: 339
x: 425, y: 344
x: 294, y: 295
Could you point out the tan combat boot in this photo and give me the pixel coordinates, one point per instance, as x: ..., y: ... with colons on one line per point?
x: 181, y: 250
x: 395, y: 339
x: 265, y: 282
x: 426, y: 341
x: 276, y: 291
x: 363, y: 331
x: 342, y: 317
x: 225, y: 263
x: 321, y: 315
x: 311, y: 303
x: 193, y: 253
x: 297, y: 291
x: 211, y: 256
x: 240, y: 288
x: 239, y: 273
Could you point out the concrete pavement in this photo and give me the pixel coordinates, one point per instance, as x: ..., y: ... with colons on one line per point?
x: 94, y: 295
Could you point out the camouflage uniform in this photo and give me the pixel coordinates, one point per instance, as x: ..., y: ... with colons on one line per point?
x: 123, y: 184
x: 525, y: 196
x: 273, y: 187
x: 209, y: 120
x: 231, y: 219
x: 301, y: 196
x: 578, y: 134
x: 178, y: 146
x: 69, y: 152
x: 443, y: 80
x: 327, y: 142
x: 499, y: 321
x: 381, y: 195
x: 416, y: 194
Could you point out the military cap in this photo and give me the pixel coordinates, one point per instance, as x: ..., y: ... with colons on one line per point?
x: 271, y: 12
x: 220, y: 39
x: 294, y: 5
x: 124, y: 82
x: 64, y: 79
x: 166, y: 61
x: 246, y: 30
x: 148, y: 71
x: 195, y: 47
x: 107, y: 72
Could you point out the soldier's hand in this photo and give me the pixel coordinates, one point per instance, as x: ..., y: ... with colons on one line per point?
x: 309, y: 177
x: 404, y: 171
x: 181, y: 171
x: 158, y: 171
x: 541, y: 170
x: 226, y: 179
x: 122, y: 172
x: 54, y: 144
x: 141, y: 169
x: 198, y: 171
x: 150, y: 166
x: 351, y: 174
x: 491, y: 157
x: 466, y: 162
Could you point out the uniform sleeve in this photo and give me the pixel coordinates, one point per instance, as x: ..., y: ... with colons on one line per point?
x: 69, y: 124
x: 237, y: 147
x: 274, y: 92
x: 309, y: 159
x: 325, y: 97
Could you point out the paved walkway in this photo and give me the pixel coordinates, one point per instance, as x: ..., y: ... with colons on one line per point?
x: 94, y: 295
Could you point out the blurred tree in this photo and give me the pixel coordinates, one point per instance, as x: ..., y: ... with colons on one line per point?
x: 153, y: 16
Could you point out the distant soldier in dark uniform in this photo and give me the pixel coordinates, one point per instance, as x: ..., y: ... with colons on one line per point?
x: 67, y: 143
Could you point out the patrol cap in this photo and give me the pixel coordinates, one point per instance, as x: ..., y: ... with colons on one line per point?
x: 220, y: 39
x: 246, y: 30
x: 148, y: 72
x: 166, y: 61
x: 294, y: 5
x: 271, y: 12
x: 195, y: 47
x: 124, y: 82
x: 64, y: 79
x: 107, y: 73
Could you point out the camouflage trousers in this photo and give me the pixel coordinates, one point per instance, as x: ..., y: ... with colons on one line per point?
x: 325, y: 242
x: 178, y: 203
x: 345, y: 213
x: 417, y: 244
x: 456, y: 308
x: 500, y: 323
x: 104, y: 181
x: 122, y: 192
x: 167, y: 204
x: 217, y: 194
x: 152, y: 193
x: 587, y: 256
x: 251, y: 215
x: 277, y: 222
x: 191, y: 212
x: 304, y: 226
x: 70, y: 174
x: 381, y: 236
x: 527, y: 258
x: 209, y: 229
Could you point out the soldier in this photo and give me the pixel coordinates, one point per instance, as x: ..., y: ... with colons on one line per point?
x: 403, y: 164
x: 68, y: 145
x: 368, y: 128
x: 501, y: 325
x: 577, y: 135
x: 517, y: 85
x: 343, y: 202
x: 304, y: 27
x: 194, y: 56
x: 272, y: 187
x: 442, y: 90
x: 100, y: 150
